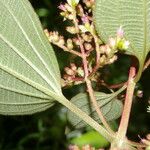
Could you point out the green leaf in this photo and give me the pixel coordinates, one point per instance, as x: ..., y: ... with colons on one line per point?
x: 133, y: 16
x: 29, y: 73
x: 109, y: 105
x: 92, y: 138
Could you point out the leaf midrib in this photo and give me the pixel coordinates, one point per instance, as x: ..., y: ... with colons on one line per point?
x: 46, y: 50
x: 30, y: 82
x: 24, y: 58
x: 23, y: 92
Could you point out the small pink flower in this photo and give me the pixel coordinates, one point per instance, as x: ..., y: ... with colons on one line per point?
x: 120, y: 32
x: 85, y: 19
x: 62, y: 7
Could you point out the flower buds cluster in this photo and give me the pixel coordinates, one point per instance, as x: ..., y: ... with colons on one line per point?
x: 107, y: 55
x: 119, y: 42
x: 108, y: 51
x: 68, y: 8
x: 55, y: 38
x: 58, y: 40
x: 73, y: 75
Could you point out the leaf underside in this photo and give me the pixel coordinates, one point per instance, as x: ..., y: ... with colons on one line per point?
x: 133, y: 16
x: 109, y: 105
x: 29, y: 73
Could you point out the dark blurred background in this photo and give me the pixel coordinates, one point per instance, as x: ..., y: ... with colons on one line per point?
x: 50, y: 130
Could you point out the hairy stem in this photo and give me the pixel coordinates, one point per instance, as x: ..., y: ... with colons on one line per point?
x: 94, y: 102
x: 88, y: 82
x: 86, y: 118
x: 127, y: 106
x: 97, y: 48
x: 114, y: 86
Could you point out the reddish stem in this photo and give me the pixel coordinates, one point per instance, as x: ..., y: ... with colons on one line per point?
x: 127, y: 106
x: 78, y: 79
x: 84, y: 59
x: 114, y: 86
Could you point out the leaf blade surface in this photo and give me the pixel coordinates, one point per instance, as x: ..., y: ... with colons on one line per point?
x: 133, y: 16
x: 29, y: 72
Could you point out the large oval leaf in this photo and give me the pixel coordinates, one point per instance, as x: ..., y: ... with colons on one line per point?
x: 29, y: 73
x: 133, y: 16
x: 109, y: 105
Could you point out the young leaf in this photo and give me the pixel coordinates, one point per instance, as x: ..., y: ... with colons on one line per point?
x: 29, y: 73
x: 133, y: 16
x: 110, y: 106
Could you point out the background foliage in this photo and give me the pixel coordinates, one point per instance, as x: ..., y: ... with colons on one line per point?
x: 50, y: 129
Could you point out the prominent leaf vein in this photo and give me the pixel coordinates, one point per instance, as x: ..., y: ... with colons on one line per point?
x: 34, y: 49
x: 23, y: 92
x: 46, y: 50
x: 27, y: 80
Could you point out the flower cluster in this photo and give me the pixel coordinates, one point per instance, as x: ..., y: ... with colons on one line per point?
x: 109, y: 50
x: 73, y: 75
x: 84, y: 42
x: 55, y: 38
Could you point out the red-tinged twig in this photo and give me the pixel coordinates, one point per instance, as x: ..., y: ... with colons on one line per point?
x: 114, y: 86
x: 121, y: 134
x: 88, y: 82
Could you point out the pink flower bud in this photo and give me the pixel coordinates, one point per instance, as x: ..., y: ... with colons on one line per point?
x: 62, y: 7
x: 85, y: 19
x: 69, y: 71
x: 88, y: 46
x: 73, y: 66
x: 120, y: 32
